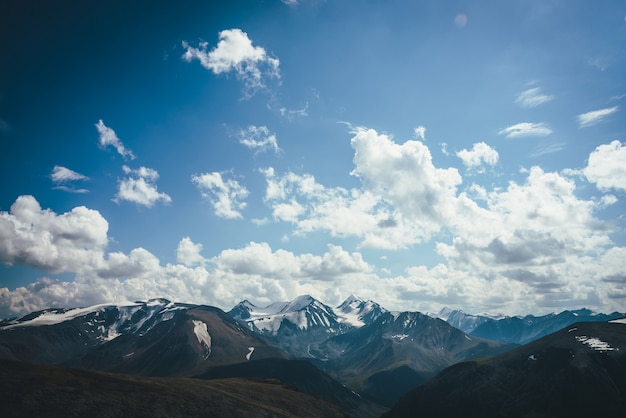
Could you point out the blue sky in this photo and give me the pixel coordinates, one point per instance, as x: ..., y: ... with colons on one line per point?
x: 420, y: 154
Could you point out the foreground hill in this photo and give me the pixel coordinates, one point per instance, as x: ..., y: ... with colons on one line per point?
x: 579, y: 371
x: 304, y: 377
x: 28, y: 390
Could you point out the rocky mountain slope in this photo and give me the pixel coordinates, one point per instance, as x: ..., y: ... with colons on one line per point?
x: 579, y: 371
x: 154, y: 338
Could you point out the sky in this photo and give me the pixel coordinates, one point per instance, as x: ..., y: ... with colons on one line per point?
x: 468, y: 154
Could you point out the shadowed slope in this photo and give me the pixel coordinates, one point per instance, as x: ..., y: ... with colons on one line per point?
x: 28, y: 390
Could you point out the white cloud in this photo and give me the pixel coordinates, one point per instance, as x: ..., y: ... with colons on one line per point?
x: 258, y: 138
x: 140, y: 188
x: 258, y: 259
x: 188, y: 253
x: 40, y: 238
x: 255, y: 271
x: 62, y: 175
x: 420, y: 132
x: 404, y: 176
x: 235, y: 52
x: 109, y: 137
x: 532, y: 98
x: 607, y: 166
x: 525, y: 129
x: 595, y: 116
x: 405, y: 199
x: 480, y: 154
x: 533, y: 245
x: 226, y: 195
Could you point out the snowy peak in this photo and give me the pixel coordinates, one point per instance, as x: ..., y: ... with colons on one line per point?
x: 107, y: 321
x: 357, y: 312
x: 299, y: 303
x: 350, y: 304
x: 301, y: 313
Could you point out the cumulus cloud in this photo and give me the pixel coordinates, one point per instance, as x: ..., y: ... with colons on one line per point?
x: 258, y: 139
x: 109, y: 137
x: 75, y: 242
x: 188, y: 253
x: 595, y: 116
x: 226, y: 195
x: 404, y: 176
x: 536, y: 236
x: 310, y: 206
x: 532, y: 245
x: 480, y: 154
x: 54, y: 243
x: 235, y: 52
x: 607, y: 166
x: 140, y: 188
x: 525, y: 129
x: 532, y: 98
x: 404, y: 200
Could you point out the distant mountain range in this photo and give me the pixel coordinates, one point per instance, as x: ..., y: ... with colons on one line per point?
x: 520, y: 329
x: 358, y: 355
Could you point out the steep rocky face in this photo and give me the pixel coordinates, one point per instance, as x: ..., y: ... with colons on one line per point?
x: 365, y: 358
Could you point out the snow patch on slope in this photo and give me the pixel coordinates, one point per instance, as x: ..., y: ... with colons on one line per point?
x: 59, y: 316
x: 596, y: 343
x: 251, y: 350
x: 202, y: 333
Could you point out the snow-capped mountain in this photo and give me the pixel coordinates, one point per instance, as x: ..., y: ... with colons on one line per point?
x: 298, y: 325
x: 307, y: 313
x: 358, y: 312
x: 156, y: 337
x: 304, y: 313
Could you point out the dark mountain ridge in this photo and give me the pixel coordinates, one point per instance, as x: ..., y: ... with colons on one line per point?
x: 32, y: 390
x: 575, y: 372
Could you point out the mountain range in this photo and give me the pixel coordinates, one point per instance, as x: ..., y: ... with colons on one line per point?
x: 357, y: 356
x: 520, y: 329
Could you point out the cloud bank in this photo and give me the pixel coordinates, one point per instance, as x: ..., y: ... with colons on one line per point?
x: 532, y: 245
